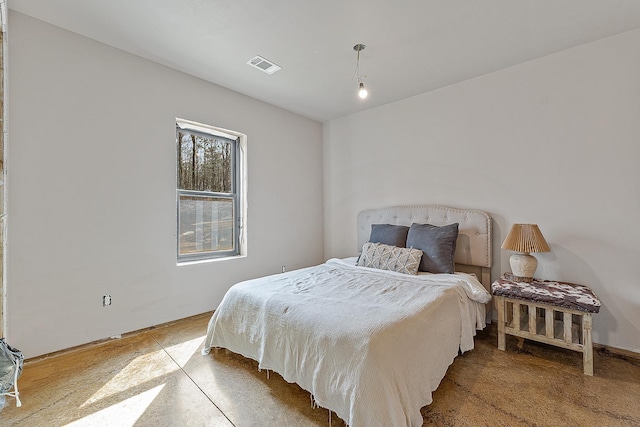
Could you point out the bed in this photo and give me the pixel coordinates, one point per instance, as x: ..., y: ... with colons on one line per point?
x: 369, y: 344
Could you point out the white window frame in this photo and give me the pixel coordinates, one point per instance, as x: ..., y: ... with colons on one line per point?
x: 237, y: 194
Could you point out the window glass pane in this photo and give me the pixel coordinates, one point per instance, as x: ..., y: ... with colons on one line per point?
x: 205, y: 224
x: 205, y: 163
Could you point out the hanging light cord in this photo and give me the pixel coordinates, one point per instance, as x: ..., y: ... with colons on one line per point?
x: 356, y: 72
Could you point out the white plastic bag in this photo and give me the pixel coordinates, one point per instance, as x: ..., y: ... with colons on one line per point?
x: 11, y: 362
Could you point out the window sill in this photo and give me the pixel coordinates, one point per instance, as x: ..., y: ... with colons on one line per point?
x: 208, y: 260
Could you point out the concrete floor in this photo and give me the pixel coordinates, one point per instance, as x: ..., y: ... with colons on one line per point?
x: 159, y: 378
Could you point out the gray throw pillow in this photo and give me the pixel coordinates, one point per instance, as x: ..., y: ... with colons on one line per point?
x: 438, y: 245
x: 387, y: 234
x: 392, y: 258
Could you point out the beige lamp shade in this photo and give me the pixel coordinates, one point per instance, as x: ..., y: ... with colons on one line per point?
x: 524, y: 238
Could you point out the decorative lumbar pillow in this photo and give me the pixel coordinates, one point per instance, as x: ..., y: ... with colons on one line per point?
x: 438, y: 245
x: 392, y: 258
x: 387, y: 234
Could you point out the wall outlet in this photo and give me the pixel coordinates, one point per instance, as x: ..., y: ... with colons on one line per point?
x: 106, y: 300
x: 284, y: 268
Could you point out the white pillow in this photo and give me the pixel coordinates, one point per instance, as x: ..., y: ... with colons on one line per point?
x: 393, y: 258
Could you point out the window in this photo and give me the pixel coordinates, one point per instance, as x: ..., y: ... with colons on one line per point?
x: 209, y: 208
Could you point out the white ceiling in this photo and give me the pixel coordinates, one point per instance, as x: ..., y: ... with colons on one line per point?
x: 413, y: 46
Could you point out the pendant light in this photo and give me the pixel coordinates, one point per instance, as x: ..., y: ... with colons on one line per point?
x: 362, y: 91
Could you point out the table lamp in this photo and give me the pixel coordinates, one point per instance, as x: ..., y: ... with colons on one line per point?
x: 523, y: 239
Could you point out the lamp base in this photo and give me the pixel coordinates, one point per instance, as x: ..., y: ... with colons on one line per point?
x: 513, y: 278
x: 523, y: 265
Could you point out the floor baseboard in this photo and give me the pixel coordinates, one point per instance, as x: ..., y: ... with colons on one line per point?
x: 106, y: 340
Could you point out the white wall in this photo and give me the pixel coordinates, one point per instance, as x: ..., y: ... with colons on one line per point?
x: 555, y: 141
x: 92, y: 199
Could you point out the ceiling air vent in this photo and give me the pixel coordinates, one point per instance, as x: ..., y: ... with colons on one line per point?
x: 263, y: 64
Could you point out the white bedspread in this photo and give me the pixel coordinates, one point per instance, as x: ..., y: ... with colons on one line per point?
x: 371, y: 345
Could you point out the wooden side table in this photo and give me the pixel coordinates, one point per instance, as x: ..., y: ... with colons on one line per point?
x: 556, y: 313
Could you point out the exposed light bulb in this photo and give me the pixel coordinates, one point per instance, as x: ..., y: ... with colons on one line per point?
x: 362, y: 93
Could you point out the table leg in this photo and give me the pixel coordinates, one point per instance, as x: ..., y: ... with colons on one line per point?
x: 587, y: 350
x: 500, y: 302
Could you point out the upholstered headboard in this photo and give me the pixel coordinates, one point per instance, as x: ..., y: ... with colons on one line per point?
x: 473, y: 248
